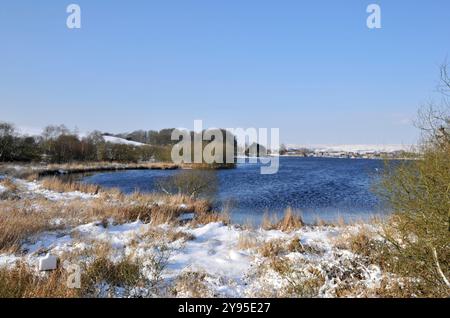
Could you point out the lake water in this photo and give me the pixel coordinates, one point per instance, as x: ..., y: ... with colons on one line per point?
x: 318, y: 187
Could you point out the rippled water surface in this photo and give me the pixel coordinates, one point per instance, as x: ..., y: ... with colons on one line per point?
x: 318, y: 187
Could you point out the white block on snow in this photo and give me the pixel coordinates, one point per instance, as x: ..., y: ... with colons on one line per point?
x: 48, y: 263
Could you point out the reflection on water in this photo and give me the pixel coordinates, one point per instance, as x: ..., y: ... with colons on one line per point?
x: 318, y: 187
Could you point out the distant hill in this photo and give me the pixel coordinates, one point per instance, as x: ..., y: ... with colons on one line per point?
x: 360, y: 149
x: 117, y: 140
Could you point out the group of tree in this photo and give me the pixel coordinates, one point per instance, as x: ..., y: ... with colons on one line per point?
x: 14, y: 147
x: 57, y: 144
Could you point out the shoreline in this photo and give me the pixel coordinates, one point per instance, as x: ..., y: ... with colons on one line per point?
x: 30, y: 171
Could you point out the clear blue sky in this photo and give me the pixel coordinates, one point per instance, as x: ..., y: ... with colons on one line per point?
x: 311, y: 68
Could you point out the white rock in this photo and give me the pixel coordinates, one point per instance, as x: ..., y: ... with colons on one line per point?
x: 48, y: 263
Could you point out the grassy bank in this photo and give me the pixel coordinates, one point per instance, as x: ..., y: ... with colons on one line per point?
x: 36, y: 171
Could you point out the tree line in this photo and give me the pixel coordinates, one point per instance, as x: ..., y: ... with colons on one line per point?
x: 58, y: 144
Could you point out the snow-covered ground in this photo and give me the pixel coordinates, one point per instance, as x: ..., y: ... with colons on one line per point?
x: 229, y: 270
x: 35, y: 188
x: 227, y: 260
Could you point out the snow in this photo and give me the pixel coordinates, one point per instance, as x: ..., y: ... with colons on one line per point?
x: 117, y: 140
x: 2, y: 188
x: 230, y: 270
x: 213, y: 251
x: 34, y: 188
x: 33, y: 131
x: 119, y: 236
x: 360, y: 149
x: 8, y: 260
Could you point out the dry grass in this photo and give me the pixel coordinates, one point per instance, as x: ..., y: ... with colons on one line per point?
x: 84, y: 167
x: 9, y: 184
x: 24, y: 172
x: 211, y: 217
x: 296, y: 278
x: 151, y: 208
x: 57, y: 185
x: 192, y: 285
x: 125, y: 273
x: 154, y: 215
x: 158, y: 209
x: 168, y: 235
x: 296, y: 246
x: 22, y: 282
x: 11, y: 191
x: 247, y: 241
x: 366, y: 243
x: 272, y: 248
x: 181, y: 203
x: 291, y: 221
x: 23, y: 218
x: 35, y: 171
x: 277, y: 247
x: 18, y: 224
x: 396, y: 288
x: 361, y: 243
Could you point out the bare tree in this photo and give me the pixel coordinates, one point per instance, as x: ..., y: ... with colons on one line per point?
x: 434, y: 117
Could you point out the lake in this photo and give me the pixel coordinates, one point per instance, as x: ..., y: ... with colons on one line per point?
x: 327, y: 188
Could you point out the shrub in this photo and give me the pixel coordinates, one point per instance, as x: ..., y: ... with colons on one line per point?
x: 124, y: 273
x: 418, y: 193
x: 193, y: 183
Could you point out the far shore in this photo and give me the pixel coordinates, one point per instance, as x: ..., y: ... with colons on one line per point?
x: 35, y: 171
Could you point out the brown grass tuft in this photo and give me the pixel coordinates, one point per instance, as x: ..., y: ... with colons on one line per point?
x: 291, y: 221
x: 272, y: 248
x: 247, y: 241
x: 191, y: 284
x: 169, y: 235
x: 211, y: 217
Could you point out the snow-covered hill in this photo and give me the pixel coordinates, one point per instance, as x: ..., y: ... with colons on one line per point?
x: 117, y: 140
x: 361, y: 149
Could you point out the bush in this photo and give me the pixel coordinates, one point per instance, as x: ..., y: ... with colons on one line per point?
x: 418, y: 192
x: 193, y: 183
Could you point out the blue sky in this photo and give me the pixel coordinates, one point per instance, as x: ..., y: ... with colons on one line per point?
x: 311, y: 68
